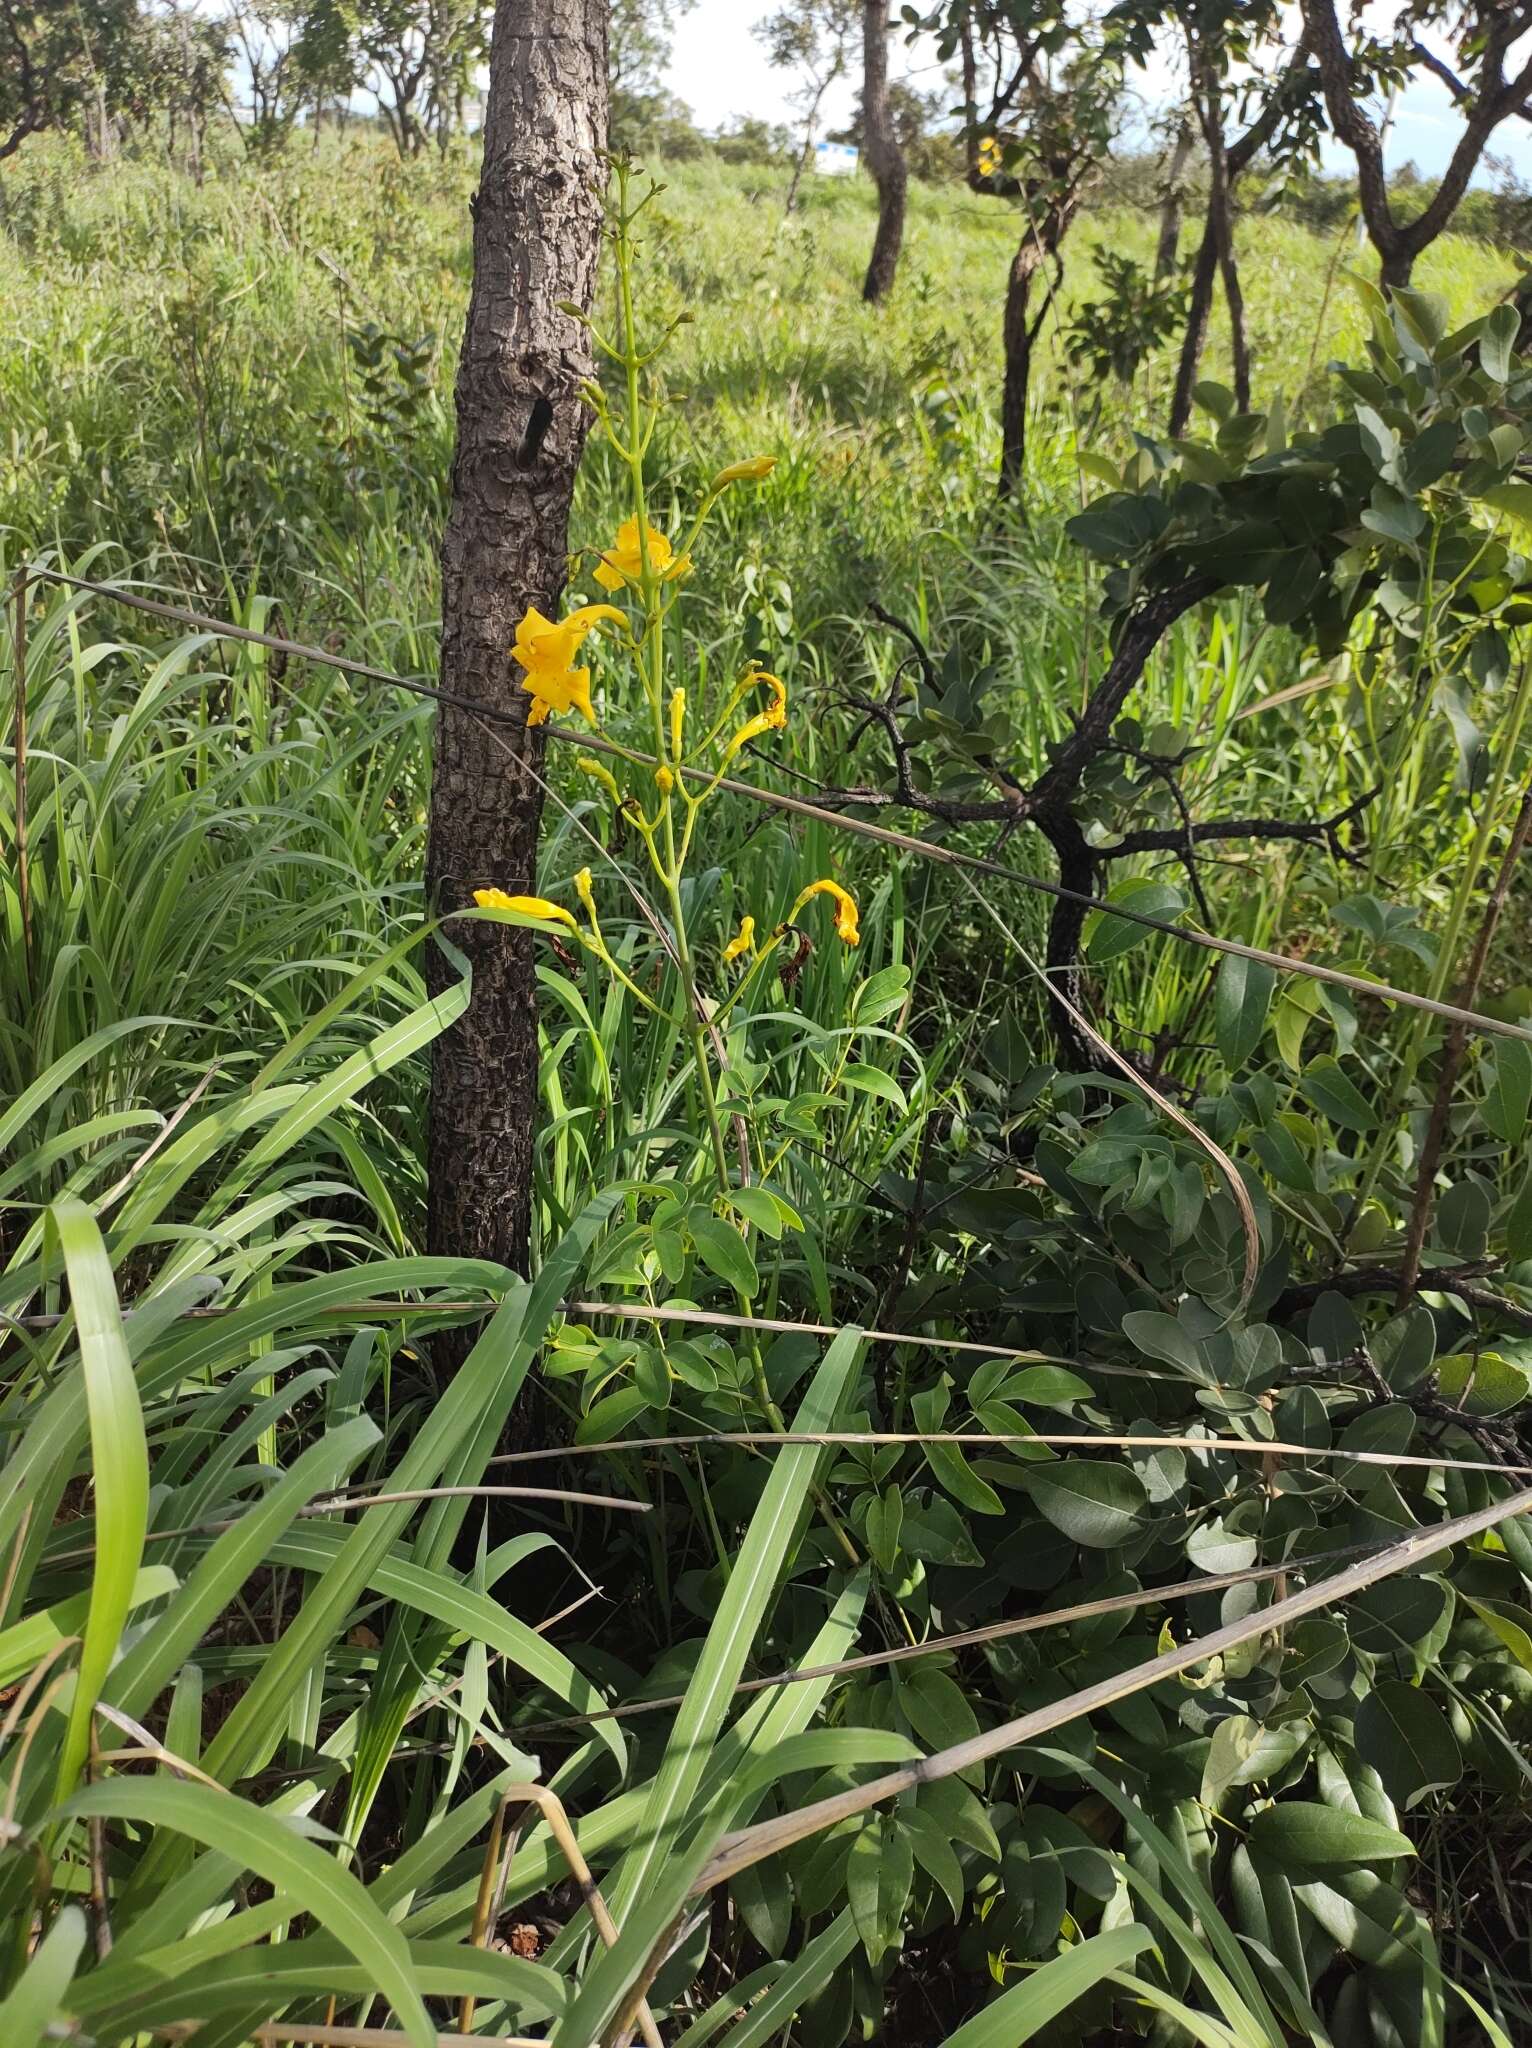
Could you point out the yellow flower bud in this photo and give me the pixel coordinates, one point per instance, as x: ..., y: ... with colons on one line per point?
x: 664, y: 781
x: 585, y: 893
x: 599, y: 774
x: 752, y: 472
x: 677, y: 721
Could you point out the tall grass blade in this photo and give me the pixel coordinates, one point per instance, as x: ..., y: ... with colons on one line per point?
x: 313, y: 1881
x: 119, y: 1468
x: 1023, y: 2011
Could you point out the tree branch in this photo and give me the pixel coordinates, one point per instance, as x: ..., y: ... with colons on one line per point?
x: 1315, y: 831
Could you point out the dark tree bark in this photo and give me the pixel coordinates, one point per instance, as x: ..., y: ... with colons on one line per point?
x: 1491, y: 100
x: 885, y: 159
x: 1017, y: 331
x: 1221, y: 221
x: 1039, y: 246
x: 1194, y: 337
x: 521, y: 426
x: 1228, y: 162
x: 1172, y: 204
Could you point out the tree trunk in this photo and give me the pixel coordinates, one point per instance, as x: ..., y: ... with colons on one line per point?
x: 1017, y: 332
x: 1194, y: 340
x: 520, y: 428
x: 1173, y: 201
x: 1394, y: 267
x: 1221, y: 221
x: 810, y: 129
x: 885, y: 159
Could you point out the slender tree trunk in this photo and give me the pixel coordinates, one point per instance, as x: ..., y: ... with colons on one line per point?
x: 521, y: 426
x: 885, y: 158
x: 1017, y: 332
x: 810, y: 129
x: 1194, y: 340
x: 1172, y: 203
x: 1221, y: 221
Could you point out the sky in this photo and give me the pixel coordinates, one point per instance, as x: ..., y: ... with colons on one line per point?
x: 718, y: 68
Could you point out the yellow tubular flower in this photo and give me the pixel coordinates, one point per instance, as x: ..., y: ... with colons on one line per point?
x: 677, y: 721
x: 845, y: 909
x: 743, y: 940
x: 750, y: 730
x: 623, y: 561
x: 775, y: 713
x: 528, y: 906
x: 546, y: 649
x: 585, y: 893
x: 754, y: 471
x: 772, y: 719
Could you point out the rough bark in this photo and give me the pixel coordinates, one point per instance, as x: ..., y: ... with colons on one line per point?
x: 521, y: 426
x: 1194, y: 337
x: 885, y: 159
x: 1491, y: 100
x: 1038, y: 247
x: 1221, y: 222
x: 1017, y: 336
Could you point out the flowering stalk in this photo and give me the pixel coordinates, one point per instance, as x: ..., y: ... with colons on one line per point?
x: 651, y: 667
x: 643, y: 570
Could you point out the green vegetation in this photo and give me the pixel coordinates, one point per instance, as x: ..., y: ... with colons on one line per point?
x: 271, y: 1742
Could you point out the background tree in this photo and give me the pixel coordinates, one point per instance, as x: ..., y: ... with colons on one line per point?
x: 268, y: 38
x: 1041, y: 90
x: 419, y: 57
x: 1178, y: 164
x: 521, y: 425
x: 813, y: 38
x: 179, y: 69
x: 640, y: 37
x: 1485, y: 35
x: 885, y: 158
x: 329, y: 64
x: 1237, y: 67
x: 58, y: 59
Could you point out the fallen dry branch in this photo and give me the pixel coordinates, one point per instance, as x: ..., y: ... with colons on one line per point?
x: 747, y: 1846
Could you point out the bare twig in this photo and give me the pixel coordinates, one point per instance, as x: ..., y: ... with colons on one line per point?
x: 302, y: 2034
x: 747, y: 1846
